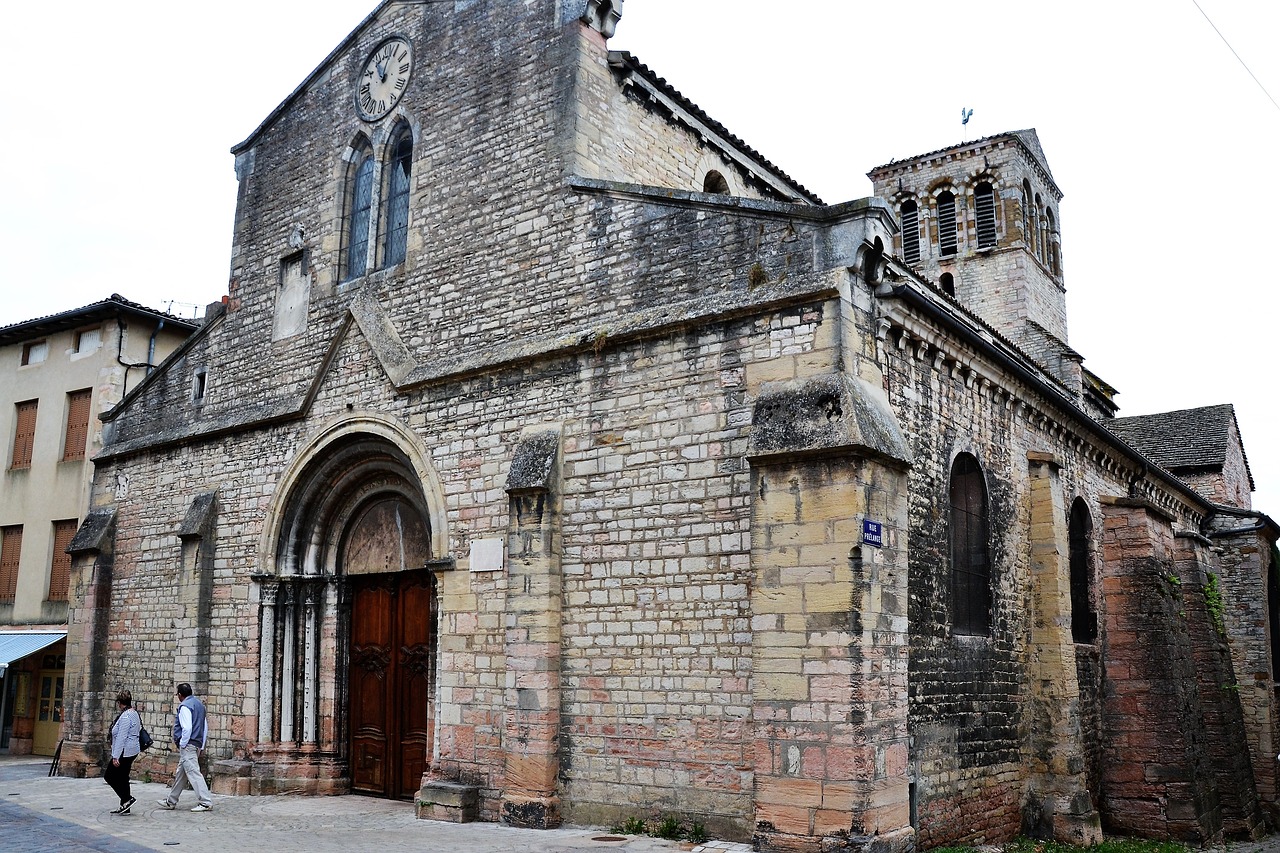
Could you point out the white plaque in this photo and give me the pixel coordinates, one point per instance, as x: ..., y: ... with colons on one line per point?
x: 486, y: 555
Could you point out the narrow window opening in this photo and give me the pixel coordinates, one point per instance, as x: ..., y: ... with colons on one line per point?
x: 946, y: 224
x: 198, y: 381
x: 947, y: 283
x: 1028, y: 233
x: 970, y: 559
x: 984, y: 198
x: 1084, y: 618
x: 398, y: 200
x: 910, y: 232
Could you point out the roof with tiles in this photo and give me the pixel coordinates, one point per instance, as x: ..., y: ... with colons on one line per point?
x: 1185, y: 440
x: 1028, y: 139
x: 111, y: 306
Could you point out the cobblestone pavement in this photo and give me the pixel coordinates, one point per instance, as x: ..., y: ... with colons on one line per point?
x: 39, y: 814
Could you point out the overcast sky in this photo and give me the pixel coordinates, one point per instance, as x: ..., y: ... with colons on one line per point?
x: 121, y: 116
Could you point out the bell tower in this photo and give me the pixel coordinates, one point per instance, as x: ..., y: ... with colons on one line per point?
x: 980, y: 220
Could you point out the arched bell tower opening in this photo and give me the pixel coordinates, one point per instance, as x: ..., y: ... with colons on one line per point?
x: 349, y: 616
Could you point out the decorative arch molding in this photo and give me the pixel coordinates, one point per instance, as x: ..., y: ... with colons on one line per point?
x: 348, y: 463
x: 710, y: 163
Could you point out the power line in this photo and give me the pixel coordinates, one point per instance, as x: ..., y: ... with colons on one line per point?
x: 1236, y: 55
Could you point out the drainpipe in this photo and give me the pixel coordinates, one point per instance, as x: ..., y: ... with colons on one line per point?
x: 151, y: 348
x: 120, y: 327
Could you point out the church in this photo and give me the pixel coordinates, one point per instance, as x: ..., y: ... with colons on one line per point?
x: 555, y: 458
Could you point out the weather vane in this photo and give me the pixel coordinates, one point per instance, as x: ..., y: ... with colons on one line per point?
x: 965, y: 115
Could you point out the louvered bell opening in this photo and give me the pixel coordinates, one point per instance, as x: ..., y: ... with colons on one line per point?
x: 985, y: 200
x: 910, y: 232
x: 946, y: 224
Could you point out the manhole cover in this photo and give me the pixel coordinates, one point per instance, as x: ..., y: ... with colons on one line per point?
x: 609, y: 838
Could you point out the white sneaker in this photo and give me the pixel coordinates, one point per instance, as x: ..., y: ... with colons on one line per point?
x: 202, y: 807
x: 165, y: 804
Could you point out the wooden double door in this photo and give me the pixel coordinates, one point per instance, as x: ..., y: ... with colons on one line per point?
x: 391, y: 681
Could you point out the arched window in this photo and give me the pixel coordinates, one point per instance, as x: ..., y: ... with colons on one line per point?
x: 910, y: 232
x: 984, y: 201
x: 1028, y: 217
x: 1055, y: 260
x: 398, y: 198
x: 359, y: 215
x: 970, y: 558
x: 948, y: 284
x: 1040, y: 232
x: 714, y: 182
x: 946, y: 223
x: 1084, y: 619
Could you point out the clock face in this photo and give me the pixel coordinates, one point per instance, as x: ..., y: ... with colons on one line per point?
x: 384, y: 78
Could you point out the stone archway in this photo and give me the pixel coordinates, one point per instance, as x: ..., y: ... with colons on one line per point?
x: 348, y: 649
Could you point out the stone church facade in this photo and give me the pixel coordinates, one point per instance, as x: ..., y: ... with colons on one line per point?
x: 557, y: 458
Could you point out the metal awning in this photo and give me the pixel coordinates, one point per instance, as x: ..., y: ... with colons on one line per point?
x: 15, y: 645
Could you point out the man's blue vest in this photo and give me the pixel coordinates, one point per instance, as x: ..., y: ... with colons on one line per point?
x: 197, y: 723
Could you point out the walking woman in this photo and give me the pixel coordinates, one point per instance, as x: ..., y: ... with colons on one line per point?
x: 124, y: 748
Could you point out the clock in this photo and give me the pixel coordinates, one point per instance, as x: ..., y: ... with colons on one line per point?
x: 383, y: 78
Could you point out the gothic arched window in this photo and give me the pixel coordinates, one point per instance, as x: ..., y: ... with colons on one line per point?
x: 984, y: 200
x: 398, y: 199
x: 1055, y: 259
x: 359, y: 216
x: 1084, y: 619
x: 970, y: 557
x: 910, y: 232
x: 946, y: 223
x: 1028, y: 216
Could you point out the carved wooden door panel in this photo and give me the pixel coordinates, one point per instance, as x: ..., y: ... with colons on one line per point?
x: 391, y: 682
x: 370, y: 680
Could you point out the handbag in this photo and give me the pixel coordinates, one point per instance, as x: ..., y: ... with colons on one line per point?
x: 144, y: 737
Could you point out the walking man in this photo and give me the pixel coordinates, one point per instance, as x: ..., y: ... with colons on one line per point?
x: 189, y: 732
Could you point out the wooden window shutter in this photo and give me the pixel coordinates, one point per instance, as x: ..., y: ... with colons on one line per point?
x: 24, y: 436
x: 10, y: 552
x: 77, y: 424
x: 60, y: 567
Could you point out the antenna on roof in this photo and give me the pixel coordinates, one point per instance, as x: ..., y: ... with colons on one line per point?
x: 965, y: 115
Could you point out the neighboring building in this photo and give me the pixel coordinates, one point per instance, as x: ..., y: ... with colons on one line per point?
x: 559, y: 458
x: 57, y: 374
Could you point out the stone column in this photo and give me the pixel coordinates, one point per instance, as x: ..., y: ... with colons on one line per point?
x: 1155, y: 778
x: 829, y: 620
x: 532, y: 717
x: 88, y: 619
x: 1059, y: 786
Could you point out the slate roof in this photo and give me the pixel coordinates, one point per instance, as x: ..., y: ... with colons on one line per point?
x: 113, y: 305
x: 1185, y: 440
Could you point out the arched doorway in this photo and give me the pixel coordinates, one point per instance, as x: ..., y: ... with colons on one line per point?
x: 348, y: 651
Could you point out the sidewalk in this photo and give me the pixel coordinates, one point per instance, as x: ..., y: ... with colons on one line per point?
x: 39, y: 814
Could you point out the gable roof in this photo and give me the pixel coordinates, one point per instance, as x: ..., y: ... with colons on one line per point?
x: 114, y: 305
x: 1185, y: 440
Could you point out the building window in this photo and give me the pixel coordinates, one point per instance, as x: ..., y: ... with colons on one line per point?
x: 198, y: 384
x: 1028, y: 233
x: 1055, y: 261
x: 358, y: 222
x: 1084, y: 619
x: 60, y: 565
x: 10, y: 553
x: 910, y: 232
x: 984, y: 200
x: 73, y: 446
x: 24, y: 434
x: 398, y: 199
x: 88, y: 340
x: 35, y: 352
x: 970, y: 560
x: 946, y: 224
x: 1039, y: 228
x: 715, y: 183
x: 948, y: 283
